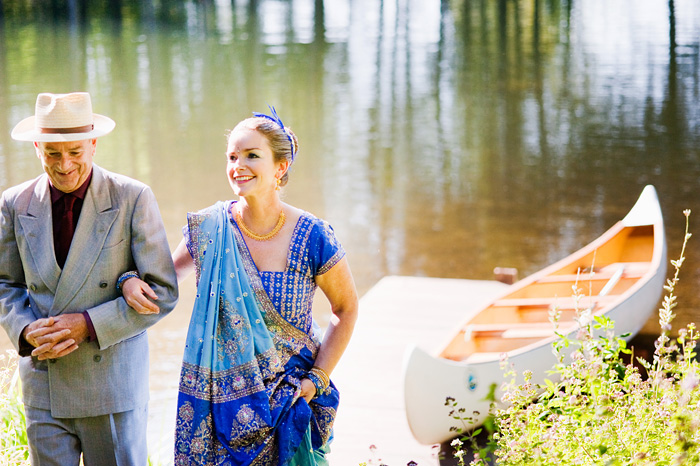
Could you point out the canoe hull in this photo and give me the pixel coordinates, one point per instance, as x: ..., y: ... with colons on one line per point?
x: 429, y: 379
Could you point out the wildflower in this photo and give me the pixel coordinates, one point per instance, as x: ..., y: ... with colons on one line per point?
x: 690, y: 382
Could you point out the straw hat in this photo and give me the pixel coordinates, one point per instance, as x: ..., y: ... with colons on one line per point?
x: 62, y: 117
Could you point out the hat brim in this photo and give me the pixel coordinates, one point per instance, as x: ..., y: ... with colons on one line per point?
x: 26, y: 130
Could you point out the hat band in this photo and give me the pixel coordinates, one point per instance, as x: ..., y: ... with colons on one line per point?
x: 77, y: 129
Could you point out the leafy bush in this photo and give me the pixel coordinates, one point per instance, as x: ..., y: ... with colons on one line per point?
x: 599, y: 408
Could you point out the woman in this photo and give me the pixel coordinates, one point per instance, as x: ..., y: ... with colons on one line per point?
x: 254, y: 387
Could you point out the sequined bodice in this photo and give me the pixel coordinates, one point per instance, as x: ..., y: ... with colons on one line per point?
x: 313, y: 250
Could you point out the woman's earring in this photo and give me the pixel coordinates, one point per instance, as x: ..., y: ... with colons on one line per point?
x: 277, y: 188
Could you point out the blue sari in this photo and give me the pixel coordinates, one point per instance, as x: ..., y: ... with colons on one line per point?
x: 239, y: 399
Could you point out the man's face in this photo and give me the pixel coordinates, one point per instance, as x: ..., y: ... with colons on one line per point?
x: 68, y: 164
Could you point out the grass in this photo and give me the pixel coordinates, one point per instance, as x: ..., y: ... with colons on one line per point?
x: 13, y: 427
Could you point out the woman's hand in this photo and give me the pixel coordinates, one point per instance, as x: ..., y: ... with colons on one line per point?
x: 136, y: 292
x: 308, y: 390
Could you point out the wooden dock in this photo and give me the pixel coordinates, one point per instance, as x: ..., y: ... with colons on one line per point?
x: 397, y: 312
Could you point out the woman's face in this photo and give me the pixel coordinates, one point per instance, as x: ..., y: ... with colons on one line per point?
x: 251, y: 166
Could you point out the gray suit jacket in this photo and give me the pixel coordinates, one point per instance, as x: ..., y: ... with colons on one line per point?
x: 120, y: 229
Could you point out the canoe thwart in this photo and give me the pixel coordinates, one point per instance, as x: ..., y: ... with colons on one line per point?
x: 633, y: 270
x: 554, y: 302
x: 613, y: 281
x: 512, y: 330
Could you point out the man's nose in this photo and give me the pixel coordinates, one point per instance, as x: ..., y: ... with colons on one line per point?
x: 64, y: 163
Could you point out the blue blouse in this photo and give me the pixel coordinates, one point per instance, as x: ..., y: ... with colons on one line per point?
x: 313, y: 251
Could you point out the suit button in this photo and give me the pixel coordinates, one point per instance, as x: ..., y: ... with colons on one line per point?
x: 97, y: 358
x: 32, y: 287
x: 103, y: 284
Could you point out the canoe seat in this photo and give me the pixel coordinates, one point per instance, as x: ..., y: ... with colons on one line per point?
x: 631, y: 270
x: 551, y: 302
x: 513, y: 330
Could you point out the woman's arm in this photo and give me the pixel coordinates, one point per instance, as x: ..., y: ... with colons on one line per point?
x: 138, y: 294
x: 184, y: 265
x: 339, y: 287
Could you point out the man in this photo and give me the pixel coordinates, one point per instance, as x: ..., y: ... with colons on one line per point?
x: 65, y: 238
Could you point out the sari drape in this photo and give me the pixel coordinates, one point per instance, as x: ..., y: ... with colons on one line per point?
x: 239, y: 396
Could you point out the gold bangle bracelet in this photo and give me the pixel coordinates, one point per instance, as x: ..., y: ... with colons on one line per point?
x: 322, y: 374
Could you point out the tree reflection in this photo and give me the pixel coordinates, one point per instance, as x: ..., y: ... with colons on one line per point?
x: 501, y: 125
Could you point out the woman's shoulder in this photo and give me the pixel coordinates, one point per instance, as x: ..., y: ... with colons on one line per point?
x: 296, y: 214
x: 320, y: 230
x: 308, y: 221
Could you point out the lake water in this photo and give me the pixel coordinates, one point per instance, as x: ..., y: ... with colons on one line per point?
x: 439, y: 139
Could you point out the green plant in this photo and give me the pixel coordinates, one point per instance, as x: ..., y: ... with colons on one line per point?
x: 599, y: 408
x: 480, y: 439
x: 13, y: 430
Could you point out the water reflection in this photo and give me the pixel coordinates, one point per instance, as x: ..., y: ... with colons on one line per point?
x: 516, y: 129
x: 440, y: 138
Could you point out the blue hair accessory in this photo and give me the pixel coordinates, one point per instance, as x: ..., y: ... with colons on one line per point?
x: 277, y: 120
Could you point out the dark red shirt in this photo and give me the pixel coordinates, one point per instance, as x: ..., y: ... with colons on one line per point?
x: 57, y: 207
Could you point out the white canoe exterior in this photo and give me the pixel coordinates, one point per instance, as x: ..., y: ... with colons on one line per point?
x: 430, y: 378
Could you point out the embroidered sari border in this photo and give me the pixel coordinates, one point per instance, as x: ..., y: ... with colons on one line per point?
x: 219, y: 387
x: 337, y: 257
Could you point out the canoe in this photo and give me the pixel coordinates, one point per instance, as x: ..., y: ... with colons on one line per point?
x: 621, y: 275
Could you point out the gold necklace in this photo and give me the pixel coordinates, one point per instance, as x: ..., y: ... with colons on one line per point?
x: 269, y: 236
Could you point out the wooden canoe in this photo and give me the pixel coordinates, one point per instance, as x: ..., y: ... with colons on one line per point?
x: 621, y: 274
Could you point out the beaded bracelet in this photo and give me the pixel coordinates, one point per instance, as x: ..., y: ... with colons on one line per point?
x: 322, y: 374
x: 320, y: 379
x: 125, y: 276
x: 318, y: 383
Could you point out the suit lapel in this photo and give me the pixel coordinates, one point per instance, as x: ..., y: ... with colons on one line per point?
x: 96, y: 219
x: 39, y: 235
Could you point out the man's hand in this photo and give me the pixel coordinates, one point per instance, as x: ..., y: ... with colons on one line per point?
x: 56, y: 336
